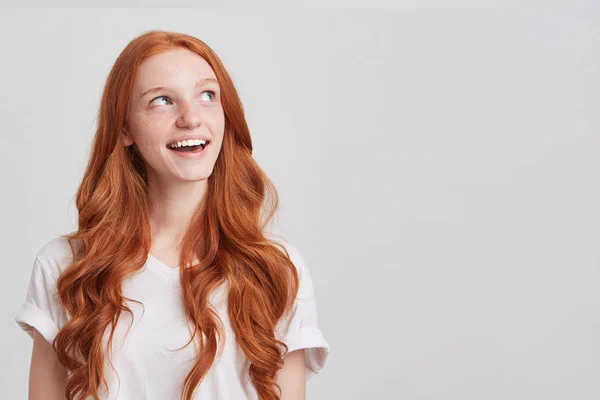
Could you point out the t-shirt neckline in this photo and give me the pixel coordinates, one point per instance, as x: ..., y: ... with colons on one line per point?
x: 161, y: 267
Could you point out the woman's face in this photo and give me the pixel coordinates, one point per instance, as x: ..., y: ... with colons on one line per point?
x: 175, y: 96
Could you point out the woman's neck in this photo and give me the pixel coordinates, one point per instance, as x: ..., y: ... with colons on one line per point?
x: 171, y: 208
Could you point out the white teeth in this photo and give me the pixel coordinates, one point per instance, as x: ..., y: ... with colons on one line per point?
x: 189, y: 142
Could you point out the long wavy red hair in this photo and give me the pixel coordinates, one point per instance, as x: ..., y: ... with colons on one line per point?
x: 227, y: 236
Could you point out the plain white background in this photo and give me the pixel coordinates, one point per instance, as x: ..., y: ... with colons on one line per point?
x: 438, y: 169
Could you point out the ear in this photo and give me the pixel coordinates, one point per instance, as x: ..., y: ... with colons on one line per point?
x: 126, y: 138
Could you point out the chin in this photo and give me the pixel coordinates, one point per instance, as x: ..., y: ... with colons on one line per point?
x: 194, y: 177
x: 197, y: 178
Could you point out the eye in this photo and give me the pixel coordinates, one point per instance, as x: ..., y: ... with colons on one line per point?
x: 211, y: 92
x: 159, y: 97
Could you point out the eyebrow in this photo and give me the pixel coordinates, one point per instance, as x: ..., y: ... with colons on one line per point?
x: 199, y: 83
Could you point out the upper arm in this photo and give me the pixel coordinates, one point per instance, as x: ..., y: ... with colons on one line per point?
x: 47, y: 376
x: 291, y: 378
x: 299, y: 328
x: 41, y: 316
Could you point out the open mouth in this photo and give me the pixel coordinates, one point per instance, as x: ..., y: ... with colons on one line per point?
x: 196, y: 148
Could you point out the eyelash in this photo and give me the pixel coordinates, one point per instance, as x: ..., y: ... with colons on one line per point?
x: 209, y: 91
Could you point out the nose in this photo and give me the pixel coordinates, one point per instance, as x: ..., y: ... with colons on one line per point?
x: 189, y: 117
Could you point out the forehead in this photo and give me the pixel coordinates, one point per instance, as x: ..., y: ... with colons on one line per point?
x: 172, y: 67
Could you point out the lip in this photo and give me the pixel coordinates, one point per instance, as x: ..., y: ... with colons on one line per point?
x: 194, y: 155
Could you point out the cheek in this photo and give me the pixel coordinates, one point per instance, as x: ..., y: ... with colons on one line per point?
x: 148, y: 137
x: 217, y: 125
x: 149, y: 128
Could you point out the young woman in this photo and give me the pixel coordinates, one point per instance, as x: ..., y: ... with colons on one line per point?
x: 171, y: 287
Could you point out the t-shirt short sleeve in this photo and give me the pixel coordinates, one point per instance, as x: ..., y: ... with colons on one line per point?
x: 41, y: 308
x: 299, y: 329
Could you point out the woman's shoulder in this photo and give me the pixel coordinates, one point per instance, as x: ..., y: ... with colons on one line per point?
x: 55, y: 255
x: 295, y: 255
x: 292, y: 250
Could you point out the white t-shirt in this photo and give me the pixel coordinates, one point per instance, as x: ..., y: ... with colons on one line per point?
x: 145, y: 366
